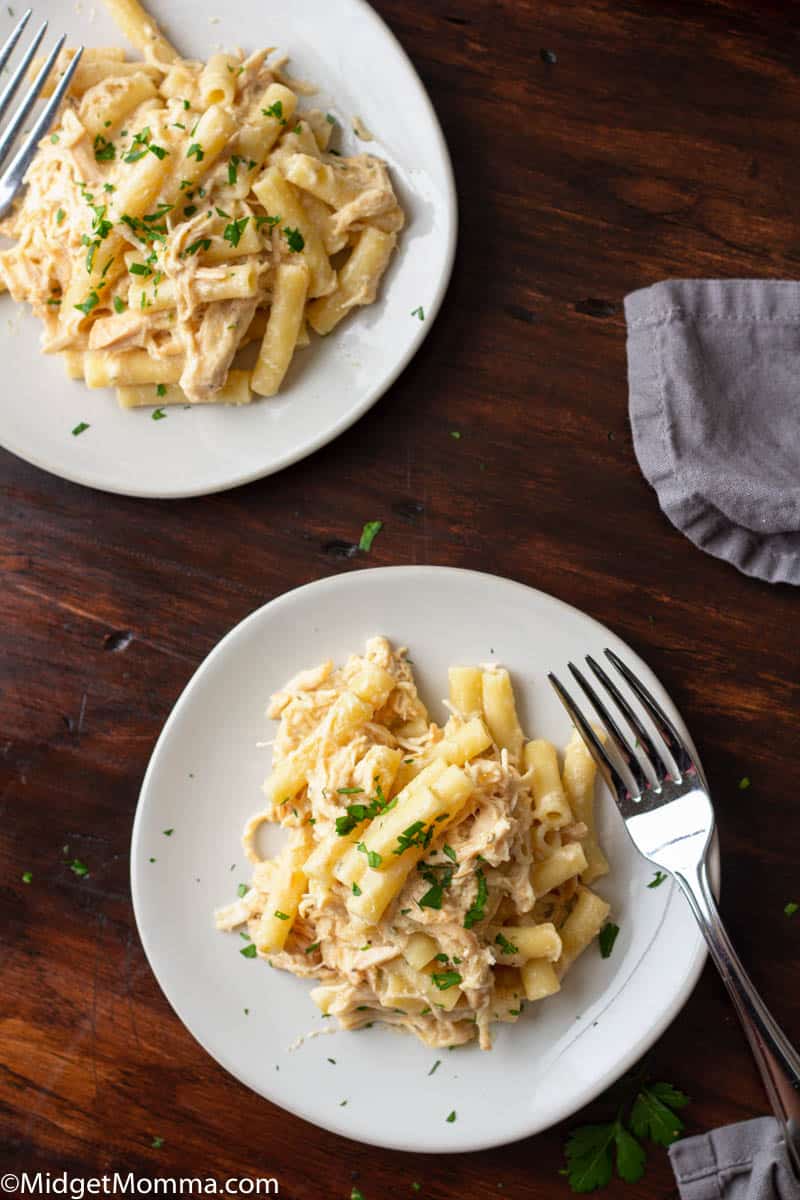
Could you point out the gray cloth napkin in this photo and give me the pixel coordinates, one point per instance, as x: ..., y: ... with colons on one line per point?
x: 741, y: 1162
x: 714, y: 374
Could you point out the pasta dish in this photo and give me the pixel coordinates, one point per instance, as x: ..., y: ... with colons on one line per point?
x: 432, y: 878
x: 180, y: 211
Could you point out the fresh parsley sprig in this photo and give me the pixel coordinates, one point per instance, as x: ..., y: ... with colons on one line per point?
x: 649, y: 1112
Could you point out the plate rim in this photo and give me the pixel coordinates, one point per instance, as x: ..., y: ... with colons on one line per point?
x: 560, y: 1112
x: 373, y: 394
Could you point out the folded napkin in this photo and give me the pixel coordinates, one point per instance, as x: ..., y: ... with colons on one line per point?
x: 741, y: 1162
x: 714, y: 374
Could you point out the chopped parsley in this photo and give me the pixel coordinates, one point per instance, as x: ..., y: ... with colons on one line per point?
x: 351, y: 791
x: 275, y: 110
x: 159, y: 151
x: 157, y: 1143
x: 55, y: 139
x: 657, y: 879
x: 91, y: 301
x: 159, y: 414
x: 269, y: 221
x: 200, y: 244
x: 79, y: 868
x: 456, y: 434
x: 195, y: 151
x: 791, y: 908
x: 119, y: 304
x: 161, y: 389
x: 294, y: 239
x: 330, y: 118
x: 450, y: 852
x: 104, y: 150
x: 248, y: 951
x: 282, y: 916
x: 140, y: 269
x: 60, y: 215
x: 167, y: 832
x: 311, y: 948
x: 356, y: 889
x: 373, y: 858
x: 27, y: 876
x: 476, y: 910
x: 233, y: 167
x: 233, y: 232
x: 505, y: 945
x: 415, y: 835
x: 744, y: 783
x: 80, y: 428
x: 368, y: 534
x: 451, y: 1118
x: 608, y: 935
x: 435, y: 1067
x: 186, y: 104
x: 419, y: 312
x: 444, y: 980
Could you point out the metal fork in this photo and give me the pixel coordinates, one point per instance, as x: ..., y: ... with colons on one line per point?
x: 11, y: 179
x: 664, y: 801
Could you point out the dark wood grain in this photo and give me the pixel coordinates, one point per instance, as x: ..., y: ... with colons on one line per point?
x: 662, y: 141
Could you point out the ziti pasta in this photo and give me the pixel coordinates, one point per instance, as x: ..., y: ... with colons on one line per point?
x: 180, y: 211
x: 432, y: 878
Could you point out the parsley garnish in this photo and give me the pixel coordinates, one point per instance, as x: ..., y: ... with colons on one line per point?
x: 373, y: 858
x: 269, y: 220
x: 450, y: 852
x: 356, y: 889
x: 505, y: 945
x: 368, y: 534
x: 79, y: 868
x: 455, y: 433
x: 91, y: 301
x: 159, y: 151
x: 294, y: 239
x: 451, y: 1118
x: 27, y: 876
x: 233, y: 232
x: 81, y: 427
x: 744, y: 783
x: 195, y: 151
x: 445, y: 979
x: 139, y: 269
x: 161, y: 389
x: 248, y: 951
x: 103, y: 149
x: 608, y: 935
x: 119, y: 304
x: 476, y: 910
x: 415, y: 835
x: 282, y: 916
x: 186, y: 104
x: 159, y: 414
x: 157, y: 1143
x: 657, y: 879
x: 167, y: 832
x: 791, y: 908
x: 54, y: 138
x: 200, y: 244
x: 275, y: 110
x: 435, y: 1067
x: 60, y: 215
x: 330, y: 118
x: 419, y: 312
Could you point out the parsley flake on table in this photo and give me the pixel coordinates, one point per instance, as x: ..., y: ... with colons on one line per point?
x: 167, y: 832
x: 791, y: 908
x: 744, y: 783
x: 241, y: 890
x: 456, y: 434
x: 368, y: 534
x: 78, y: 868
x: 435, y: 1067
x: 27, y: 876
x: 419, y: 312
x: 451, y: 1118
x: 248, y: 951
x: 608, y: 935
x: 80, y: 428
x: 159, y: 415
x: 657, y: 879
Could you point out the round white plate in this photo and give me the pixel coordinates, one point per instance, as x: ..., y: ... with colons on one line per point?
x: 361, y: 70
x: 204, y: 780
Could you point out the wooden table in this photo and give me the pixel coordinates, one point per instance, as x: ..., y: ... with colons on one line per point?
x: 651, y: 139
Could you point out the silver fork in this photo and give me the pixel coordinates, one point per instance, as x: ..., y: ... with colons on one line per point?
x: 664, y: 801
x: 11, y: 179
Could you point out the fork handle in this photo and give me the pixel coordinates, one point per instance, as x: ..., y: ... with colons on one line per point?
x: 776, y: 1058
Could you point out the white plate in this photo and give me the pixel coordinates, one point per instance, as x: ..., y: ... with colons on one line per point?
x: 204, y: 780
x: 361, y: 70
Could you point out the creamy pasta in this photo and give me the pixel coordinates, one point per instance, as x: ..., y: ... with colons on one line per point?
x: 433, y: 878
x: 180, y: 211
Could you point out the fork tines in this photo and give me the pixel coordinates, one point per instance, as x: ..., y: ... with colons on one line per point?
x: 12, y: 177
x: 635, y: 762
